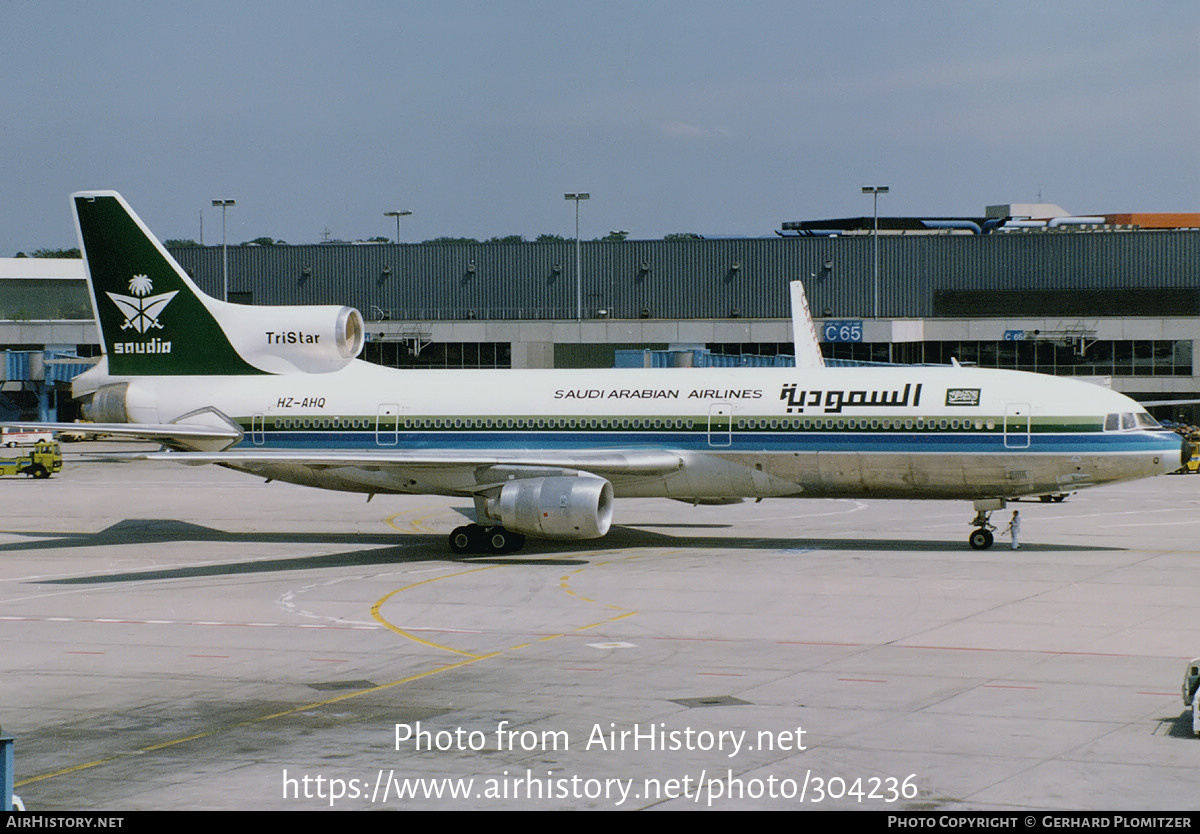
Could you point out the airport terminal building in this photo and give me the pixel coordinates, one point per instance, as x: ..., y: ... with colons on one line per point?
x: 1115, y: 297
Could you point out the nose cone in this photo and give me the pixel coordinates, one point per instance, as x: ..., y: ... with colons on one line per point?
x: 1167, y: 453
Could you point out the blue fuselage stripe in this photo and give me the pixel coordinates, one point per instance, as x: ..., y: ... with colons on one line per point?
x: 722, y: 442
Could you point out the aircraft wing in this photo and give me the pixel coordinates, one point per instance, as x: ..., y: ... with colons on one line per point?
x: 205, y: 437
x: 600, y: 461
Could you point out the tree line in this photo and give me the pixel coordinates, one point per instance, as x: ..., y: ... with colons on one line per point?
x: 181, y: 243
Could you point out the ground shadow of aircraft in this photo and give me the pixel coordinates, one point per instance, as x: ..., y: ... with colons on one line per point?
x: 367, y: 549
x: 389, y: 548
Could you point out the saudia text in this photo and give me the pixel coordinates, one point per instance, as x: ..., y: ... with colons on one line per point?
x: 832, y: 402
x: 155, y: 345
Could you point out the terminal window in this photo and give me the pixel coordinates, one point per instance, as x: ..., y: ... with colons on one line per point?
x: 1101, y: 357
x: 402, y: 354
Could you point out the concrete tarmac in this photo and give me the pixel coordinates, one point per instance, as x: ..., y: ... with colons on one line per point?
x: 190, y: 638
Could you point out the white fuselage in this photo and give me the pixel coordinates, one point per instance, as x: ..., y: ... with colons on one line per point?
x: 913, y: 432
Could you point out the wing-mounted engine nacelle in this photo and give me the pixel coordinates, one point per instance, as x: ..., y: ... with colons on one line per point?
x: 567, y: 507
x: 315, y: 340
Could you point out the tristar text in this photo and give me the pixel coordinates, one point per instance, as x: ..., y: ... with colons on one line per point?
x: 292, y: 337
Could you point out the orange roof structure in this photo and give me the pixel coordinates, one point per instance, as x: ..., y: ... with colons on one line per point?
x: 1156, y: 219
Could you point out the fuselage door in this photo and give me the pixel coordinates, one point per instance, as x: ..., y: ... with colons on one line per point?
x: 258, y: 424
x: 720, y: 424
x: 387, y: 424
x: 1016, y: 426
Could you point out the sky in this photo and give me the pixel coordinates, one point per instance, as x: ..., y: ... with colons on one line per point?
x: 721, y: 118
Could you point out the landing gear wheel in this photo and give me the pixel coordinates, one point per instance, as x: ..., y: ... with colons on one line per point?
x: 462, y: 540
x: 980, y: 539
x: 472, y: 538
x: 498, y: 540
x: 495, y: 540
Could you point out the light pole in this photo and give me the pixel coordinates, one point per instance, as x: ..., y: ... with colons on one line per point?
x: 397, y: 215
x: 875, y: 191
x: 223, y: 205
x: 578, y: 256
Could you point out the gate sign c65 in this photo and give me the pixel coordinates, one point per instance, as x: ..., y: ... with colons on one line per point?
x: 846, y: 330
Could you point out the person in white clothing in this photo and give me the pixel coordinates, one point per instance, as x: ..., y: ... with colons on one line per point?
x: 1014, y: 527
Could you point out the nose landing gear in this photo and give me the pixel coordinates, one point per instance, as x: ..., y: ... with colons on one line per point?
x: 981, y: 537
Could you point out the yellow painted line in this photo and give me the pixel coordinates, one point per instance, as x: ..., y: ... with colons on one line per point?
x: 414, y: 525
x: 408, y: 635
x: 565, y: 580
x: 67, y: 770
x: 161, y: 745
x: 375, y: 612
x: 577, y: 630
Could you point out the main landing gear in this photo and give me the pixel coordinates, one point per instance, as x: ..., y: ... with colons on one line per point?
x: 475, y: 538
x: 981, y: 537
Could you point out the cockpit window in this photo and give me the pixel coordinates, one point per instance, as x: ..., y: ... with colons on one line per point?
x: 1129, y: 421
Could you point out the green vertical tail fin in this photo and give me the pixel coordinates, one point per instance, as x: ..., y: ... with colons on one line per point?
x: 153, y: 320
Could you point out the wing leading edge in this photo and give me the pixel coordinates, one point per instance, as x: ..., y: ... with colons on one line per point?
x: 600, y: 462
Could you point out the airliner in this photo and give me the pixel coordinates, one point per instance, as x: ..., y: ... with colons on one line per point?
x: 278, y: 392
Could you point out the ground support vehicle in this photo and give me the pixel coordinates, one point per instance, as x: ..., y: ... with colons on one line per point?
x: 39, y: 461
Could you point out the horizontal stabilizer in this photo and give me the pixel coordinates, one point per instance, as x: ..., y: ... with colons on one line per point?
x: 172, y: 434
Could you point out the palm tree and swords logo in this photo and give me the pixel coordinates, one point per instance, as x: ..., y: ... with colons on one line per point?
x: 142, y: 309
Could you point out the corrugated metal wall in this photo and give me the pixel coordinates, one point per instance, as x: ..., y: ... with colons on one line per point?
x: 692, y: 278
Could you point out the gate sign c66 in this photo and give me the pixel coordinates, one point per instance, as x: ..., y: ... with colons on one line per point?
x: 846, y: 330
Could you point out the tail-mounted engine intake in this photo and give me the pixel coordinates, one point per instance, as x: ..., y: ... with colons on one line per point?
x: 108, y: 404
x: 317, y: 339
x: 566, y: 507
